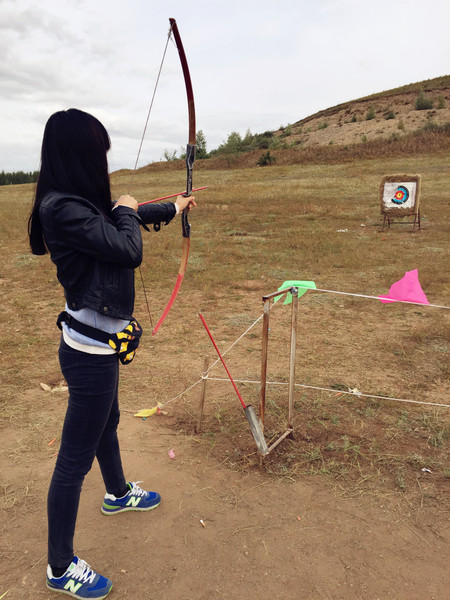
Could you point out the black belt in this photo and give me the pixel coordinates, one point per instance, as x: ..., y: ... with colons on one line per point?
x: 87, y: 330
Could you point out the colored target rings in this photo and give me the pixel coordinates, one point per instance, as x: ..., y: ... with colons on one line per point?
x: 401, y: 195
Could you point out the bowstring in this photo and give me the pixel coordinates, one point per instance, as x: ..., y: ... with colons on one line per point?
x: 169, y: 35
x: 133, y: 173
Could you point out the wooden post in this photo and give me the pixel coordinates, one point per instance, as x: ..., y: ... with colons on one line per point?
x: 202, y: 395
x: 264, y: 351
x: 294, y: 292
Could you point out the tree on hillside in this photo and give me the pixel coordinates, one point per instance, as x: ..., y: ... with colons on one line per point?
x: 232, y: 145
x: 201, y: 151
x: 170, y: 156
x: 236, y: 144
x: 200, y: 148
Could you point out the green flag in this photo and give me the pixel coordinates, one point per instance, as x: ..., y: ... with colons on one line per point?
x: 302, y: 286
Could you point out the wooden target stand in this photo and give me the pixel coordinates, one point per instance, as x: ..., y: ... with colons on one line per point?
x: 264, y: 357
x: 400, y: 198
x: 264, y: 354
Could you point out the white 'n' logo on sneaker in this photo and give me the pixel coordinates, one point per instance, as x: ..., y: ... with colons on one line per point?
x: 72, y: 586
x: 133, y: 501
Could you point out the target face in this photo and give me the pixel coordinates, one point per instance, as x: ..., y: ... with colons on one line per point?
x: 399, y: 194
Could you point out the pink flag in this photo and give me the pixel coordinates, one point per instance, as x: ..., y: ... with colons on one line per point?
x: 407, y: 288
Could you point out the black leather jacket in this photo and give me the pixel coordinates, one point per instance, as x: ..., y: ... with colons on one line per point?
x: 95, y: 256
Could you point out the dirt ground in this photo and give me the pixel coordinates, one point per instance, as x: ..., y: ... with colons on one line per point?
x: 355, y: 507
x: 262, y: 538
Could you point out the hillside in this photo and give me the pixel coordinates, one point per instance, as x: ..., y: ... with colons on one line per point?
x: 386, y: 124
x: 388, y: 115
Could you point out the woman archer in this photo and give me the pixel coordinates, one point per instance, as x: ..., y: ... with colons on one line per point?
x: 96, y: 245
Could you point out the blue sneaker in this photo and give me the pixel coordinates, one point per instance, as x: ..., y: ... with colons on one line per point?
x: 135, y: 499
x: 79, y: 581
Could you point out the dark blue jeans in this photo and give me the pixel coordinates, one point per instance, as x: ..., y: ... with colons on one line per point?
x: 89, y: 431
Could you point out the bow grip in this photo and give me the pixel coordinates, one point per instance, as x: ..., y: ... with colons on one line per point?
x: 190, y: 158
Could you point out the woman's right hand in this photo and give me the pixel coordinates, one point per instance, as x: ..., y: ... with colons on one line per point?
x: 185, y: 202
x: 127, y: 201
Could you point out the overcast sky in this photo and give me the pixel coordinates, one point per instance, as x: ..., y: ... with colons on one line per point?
x: 255, y: 64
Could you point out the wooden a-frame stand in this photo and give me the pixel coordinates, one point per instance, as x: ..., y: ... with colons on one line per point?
x: 264, y: 356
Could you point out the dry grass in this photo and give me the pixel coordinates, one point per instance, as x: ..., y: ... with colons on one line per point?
x: 255, y: 228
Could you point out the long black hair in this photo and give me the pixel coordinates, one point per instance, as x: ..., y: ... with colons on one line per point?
x: 73, y: 161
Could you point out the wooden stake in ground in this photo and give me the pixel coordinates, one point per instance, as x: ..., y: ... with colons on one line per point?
x: 202, y: 395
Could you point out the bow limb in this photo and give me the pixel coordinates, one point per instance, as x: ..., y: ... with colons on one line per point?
x: 190, y: 158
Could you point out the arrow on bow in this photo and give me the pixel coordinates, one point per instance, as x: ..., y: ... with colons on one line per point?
x: 190, y: 158
x: 204, y: 187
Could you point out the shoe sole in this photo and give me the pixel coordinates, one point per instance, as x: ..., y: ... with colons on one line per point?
x: 128, y: 508
x: 75, y: 595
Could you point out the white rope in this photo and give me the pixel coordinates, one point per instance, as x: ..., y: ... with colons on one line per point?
x: 352, y: 393
x: 359, y: 394
x: 214, y: 363
x: 377, y: 298
x: 241, y: 336
x: 234, y: 343
x: 311, y: 387
x: 179, y: 395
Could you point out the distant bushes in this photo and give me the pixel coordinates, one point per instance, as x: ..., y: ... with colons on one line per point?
x: 18, y: 177
x: 433, y: 127
x: 423, y: 102
x: 441, y: 101
x: 370, y: 114
x: 431, y: 138
x: 236, y: 144
x: 266, y: 159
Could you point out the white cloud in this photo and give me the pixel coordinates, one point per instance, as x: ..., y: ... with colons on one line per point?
x: 256, y: 65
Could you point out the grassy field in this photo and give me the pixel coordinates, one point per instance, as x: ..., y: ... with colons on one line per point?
x: 255, y: 228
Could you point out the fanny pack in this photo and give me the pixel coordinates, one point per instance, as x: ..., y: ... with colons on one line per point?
x: 124, y: 342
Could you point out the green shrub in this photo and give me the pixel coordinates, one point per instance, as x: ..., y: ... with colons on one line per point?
x: 433, y: 127
x: 423, y: 102
x: 287, y: 130
x: 170, y: 156
x: 266, y: 159
x: 370, y: 114
x: 322, y: 125
x: 389, y: 114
